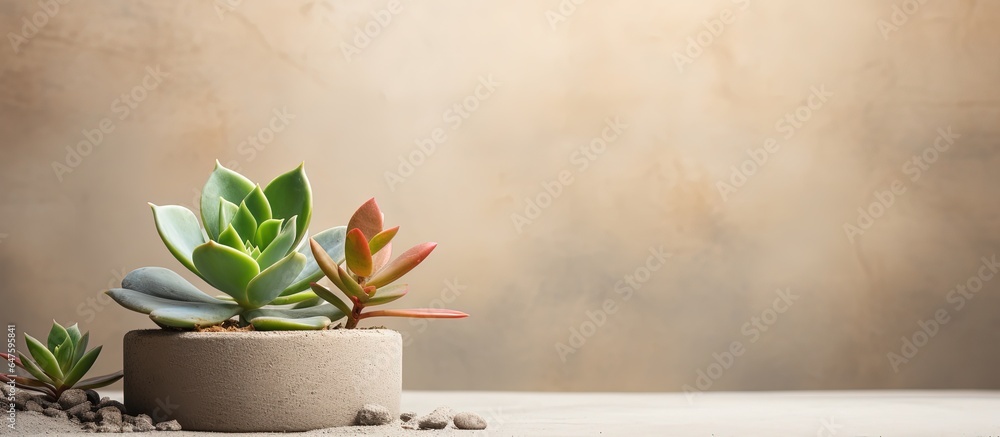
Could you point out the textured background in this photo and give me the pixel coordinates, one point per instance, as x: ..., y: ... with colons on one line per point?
x: 66, y: 234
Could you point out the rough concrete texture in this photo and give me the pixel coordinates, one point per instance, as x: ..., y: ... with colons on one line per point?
x: 262, y: 381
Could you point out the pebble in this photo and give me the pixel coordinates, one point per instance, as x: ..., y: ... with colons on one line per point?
x: 71, y: 398
x: 168, y: 426
x: 469, y: 421
x: 93, y: 397
x: 110, y: 415
x: 79, y: 410
x: 372, y: 415
x: 21, y: 398
x: 407, y: 416
x: 438, y: 419
x: 54, y: 412
x: 33, y: 406
x: 90, y: 427
x: 127, y: 428
x: 108, y: 402
x: 143, y: 423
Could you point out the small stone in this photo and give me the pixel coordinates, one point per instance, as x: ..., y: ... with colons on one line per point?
x: 71, y: 398
x: 107, y: 402
x: 79, y: 410
x: 33, y: 406
x: 21, y: 398
x: 54, y: 412
x: 168, y: 426
x: 90, y: 427
x: 87, y: 416
x: 126, y: 427
x: 407, y: 416
x: 469, y: 421
x: 93, y: 397
x: 438, y: 419
x: 128, y: 419
x: 110, y: 415
x: 372, y: 414
x: 5, y: 390
x: 143, y: 423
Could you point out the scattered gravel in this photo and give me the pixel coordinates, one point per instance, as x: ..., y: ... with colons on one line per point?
x: 372, y: 415
x: 469, y: 421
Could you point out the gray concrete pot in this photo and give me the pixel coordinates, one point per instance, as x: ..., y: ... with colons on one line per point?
x: 262, y: 381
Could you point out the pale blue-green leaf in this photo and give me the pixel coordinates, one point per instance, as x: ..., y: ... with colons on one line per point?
x: 226, y: 268
x: 179, y: 229
x: 332, y: 241
x: 281, y: 245
x: 290, y: 195
x: 164, y: 283
x: 258, y: 205
x: 194, y: 315
x: 270, y: 282
x: 226, y: 184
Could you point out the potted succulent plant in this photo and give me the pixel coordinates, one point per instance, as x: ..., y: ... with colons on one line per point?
x: 261, y: 357
x: 57, y: 365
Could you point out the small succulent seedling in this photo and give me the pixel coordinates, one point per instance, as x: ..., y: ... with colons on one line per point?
x: 249, y: 249
x: 58, y: 365
x: 367, y: 279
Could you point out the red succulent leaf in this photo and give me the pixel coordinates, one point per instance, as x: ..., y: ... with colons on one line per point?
x: 368, y: 218
x: 418, y: 313
x: 402, y: 265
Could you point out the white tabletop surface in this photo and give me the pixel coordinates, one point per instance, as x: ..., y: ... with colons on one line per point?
x: 804, y: 413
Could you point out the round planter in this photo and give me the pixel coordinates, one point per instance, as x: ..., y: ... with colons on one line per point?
x: 262, y: 381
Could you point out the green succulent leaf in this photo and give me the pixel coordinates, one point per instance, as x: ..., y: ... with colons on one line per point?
x: 35, y: 370
x: 328, y: 296
x: 272, y: 281
x: 75, y: 337
x: 244, y: 223
x: 44, y: 358
x: 64, y: 354
x: 81, y: 368
x: 179, y: 229
x: 359, y: 256
x: 309, y: 303
x: 258, y: 205
x: 329, y: 311
x: 281, y: 245
x: 368, y: 218
x: 351, y: 287
x: 226, y: 268
x: 402, y: 265
x: 291, y: 196
x: 145, y: 303
x: 330, y: 242
x: 301, y: 296
x: 381, y: 239
x: 57, y: 335
x: 267, y: 231
x: 231, y: 238
x: 164, y: 283
x: 388, y: 294
x: 282, y: 324
x: 193, y: 315
x: 100, y: 381
x: 224, y: 183
x: 227, y: 211
x: 255, y: 253
x: 81, y: 347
